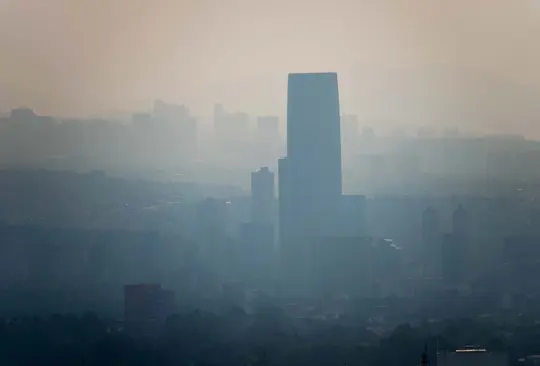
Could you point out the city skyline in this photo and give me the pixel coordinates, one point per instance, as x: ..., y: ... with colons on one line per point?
x: 240, y: 182
x: 64, y: 65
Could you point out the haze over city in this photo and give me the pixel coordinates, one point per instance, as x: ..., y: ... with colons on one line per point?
x: 74, y: 58
x: 307, y: 183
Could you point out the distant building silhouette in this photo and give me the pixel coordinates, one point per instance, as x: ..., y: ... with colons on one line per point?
x: 313, y: 136
x: 27, y: 116
x: 313, y: 150
x: 23, y: 114
x: 230, y: 126
x: 310, y: 177
x: 263, y: 196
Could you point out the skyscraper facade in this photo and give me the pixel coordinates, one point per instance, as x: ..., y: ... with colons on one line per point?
x: 313, y: 150
x: 310, y: 176
x: 313, y: 135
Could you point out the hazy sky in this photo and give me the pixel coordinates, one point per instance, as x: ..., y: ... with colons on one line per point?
x: 84, y: 56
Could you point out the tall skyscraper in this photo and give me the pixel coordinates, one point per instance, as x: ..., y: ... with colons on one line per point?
x: 313, y: 151
x: 310, y: 175
x: 313, y: 135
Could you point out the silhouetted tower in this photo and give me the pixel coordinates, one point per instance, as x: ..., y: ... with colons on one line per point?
x: 313, y: 148
x: 262, y: 196
x: 431, y: 243
x: 460, y: 222
x: 310, y: 176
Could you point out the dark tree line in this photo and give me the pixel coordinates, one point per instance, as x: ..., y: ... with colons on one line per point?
x: 265, y: 339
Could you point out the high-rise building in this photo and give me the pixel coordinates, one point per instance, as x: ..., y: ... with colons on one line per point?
x: 310, y: 176
x: 313, y: 151
x: 313, y: 136
x: 263, y: 196
x: 230, y: 126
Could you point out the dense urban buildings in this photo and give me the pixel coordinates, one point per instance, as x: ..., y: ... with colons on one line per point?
x: 365, y: 229
x: 279, y: 183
